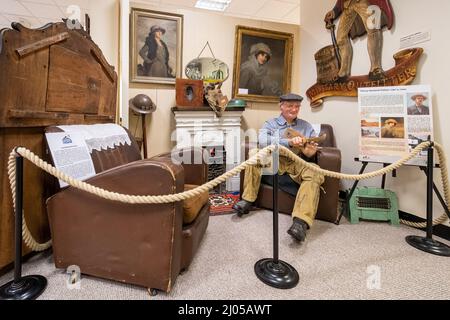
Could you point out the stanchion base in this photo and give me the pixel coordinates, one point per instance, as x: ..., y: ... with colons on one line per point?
x: 429, y: 245
x: 280, y: 275
x: 28, y: 288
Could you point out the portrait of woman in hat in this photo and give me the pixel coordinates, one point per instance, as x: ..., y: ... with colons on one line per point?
x: 156, y: 55
x: 262, y: 64
x: 254, y: 71
x: 418, y: 108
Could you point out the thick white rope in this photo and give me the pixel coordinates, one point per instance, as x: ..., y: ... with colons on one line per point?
x: 261, y: 154
x: 442, y: 161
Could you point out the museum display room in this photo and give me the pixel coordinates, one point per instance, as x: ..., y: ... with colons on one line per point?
x: 224, y: 150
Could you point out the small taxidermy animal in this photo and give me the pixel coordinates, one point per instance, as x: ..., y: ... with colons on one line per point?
x: 291, y: 133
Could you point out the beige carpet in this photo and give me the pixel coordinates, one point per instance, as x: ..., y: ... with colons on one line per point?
x: 336, y: 262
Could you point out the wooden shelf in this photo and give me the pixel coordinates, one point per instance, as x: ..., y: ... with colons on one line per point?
x: 205, y: 108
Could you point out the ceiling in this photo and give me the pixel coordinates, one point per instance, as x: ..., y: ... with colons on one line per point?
x: 35, y: 13
x: 284, y: 11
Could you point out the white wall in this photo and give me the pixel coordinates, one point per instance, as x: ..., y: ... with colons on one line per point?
x: 105, y: 28
x: 410, y: 16
x: 104, y: 17
x: 341, y: 112
x: 219, y: 30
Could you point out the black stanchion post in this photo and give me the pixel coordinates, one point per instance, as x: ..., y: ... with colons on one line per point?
x: 28, y: 287
x: 274, y: 272
x: 348, y: 196
x: 430, y: 163
x: 428, y: 244
x: 275, y: 218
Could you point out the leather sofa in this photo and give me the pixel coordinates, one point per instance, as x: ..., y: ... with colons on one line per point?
x: 329, y: 158
x: 143, y: 244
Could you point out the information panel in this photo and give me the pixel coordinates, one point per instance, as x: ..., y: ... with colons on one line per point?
x: 393, y: 121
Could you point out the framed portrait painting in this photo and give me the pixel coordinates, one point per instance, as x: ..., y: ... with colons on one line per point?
x: 156, y: 46
x: 262, y: 64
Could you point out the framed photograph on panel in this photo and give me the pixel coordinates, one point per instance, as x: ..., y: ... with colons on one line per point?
x: 262, y: 64
x: 156, y: 46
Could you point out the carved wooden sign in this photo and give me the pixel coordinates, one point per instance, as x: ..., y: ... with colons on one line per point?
x: 333, y: 62
x: 403, y: 73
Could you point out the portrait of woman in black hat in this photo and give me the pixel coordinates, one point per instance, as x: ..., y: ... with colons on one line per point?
x: 156, y: 46
x: 156, y: 55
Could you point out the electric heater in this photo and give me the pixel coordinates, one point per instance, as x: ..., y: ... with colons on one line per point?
x: 374, y: 204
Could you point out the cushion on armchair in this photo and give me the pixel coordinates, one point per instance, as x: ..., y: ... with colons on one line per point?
x: 192, y: 206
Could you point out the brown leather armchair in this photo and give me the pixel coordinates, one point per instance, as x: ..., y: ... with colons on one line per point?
x: 329, y: 158
x: 142, y: 244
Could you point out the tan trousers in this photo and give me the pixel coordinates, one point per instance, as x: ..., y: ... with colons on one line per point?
x: 308, y: 194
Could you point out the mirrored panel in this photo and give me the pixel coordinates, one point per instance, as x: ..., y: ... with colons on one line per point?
x: 207, y: 69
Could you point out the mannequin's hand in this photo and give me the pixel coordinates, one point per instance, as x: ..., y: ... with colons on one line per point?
x: 310, y: 149
x: 297, y: 141
x: 329, y: 18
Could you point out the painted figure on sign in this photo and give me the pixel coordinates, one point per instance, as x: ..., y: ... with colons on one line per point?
x: 358, y: 17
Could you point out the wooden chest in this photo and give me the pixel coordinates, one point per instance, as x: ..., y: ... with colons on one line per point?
x: 49, y: 76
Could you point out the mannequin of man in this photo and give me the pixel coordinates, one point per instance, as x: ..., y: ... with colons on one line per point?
x: 307, y: 199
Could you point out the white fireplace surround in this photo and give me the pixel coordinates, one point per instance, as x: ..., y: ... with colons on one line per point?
x: 205, y: 128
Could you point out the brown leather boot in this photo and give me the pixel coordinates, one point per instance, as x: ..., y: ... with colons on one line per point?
x: 242, y: 207
x: 298, y: 229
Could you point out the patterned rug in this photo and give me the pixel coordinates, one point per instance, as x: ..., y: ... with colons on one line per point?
x: 223, y: 203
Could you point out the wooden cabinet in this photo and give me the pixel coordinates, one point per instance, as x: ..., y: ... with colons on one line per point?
x: 49, y: 76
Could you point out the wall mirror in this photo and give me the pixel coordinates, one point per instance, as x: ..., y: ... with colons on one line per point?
x: 207, y: 69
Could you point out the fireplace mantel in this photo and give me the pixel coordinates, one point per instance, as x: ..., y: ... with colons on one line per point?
x: 201, y: 127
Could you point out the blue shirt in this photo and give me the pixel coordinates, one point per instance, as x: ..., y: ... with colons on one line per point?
x: 268, y: 132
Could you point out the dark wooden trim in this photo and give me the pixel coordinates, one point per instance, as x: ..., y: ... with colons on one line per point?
x: 100, y: 118
x: 35, y: 46
x: 439, y: 230
x: 102, y: 61
x: 32, y: 114
x: 205, y: 108
x: 10, y: 266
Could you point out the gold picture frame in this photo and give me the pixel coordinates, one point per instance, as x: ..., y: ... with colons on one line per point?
x: 156, y: 37
x: 262, y: 64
